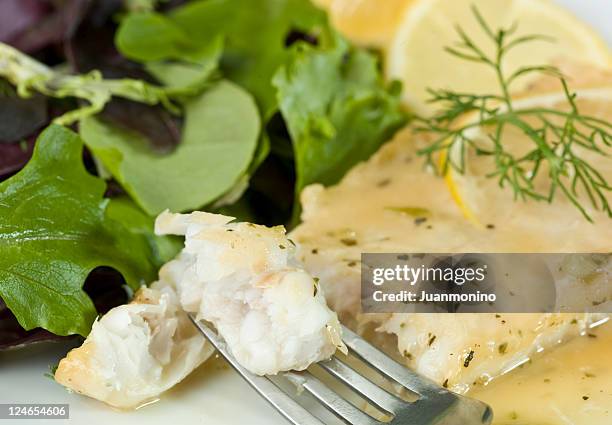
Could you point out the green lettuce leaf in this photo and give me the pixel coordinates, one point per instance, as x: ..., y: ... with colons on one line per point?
x: 219, y: 139
x: 151, y: 36
x: 167, y: 51
x: 255, y: 33
x: 192, y: 75
x: 125, y: 211
x: 337, y: 109
x: 53, y: 231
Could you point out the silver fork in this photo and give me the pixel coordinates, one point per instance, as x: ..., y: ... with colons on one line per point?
x: 435, y: 405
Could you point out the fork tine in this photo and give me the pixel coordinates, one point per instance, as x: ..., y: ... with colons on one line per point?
x: 283, y: 403
x: 436, y: 406
x: 387, y: 366
x: 330, y: 399
x: 369, y: 390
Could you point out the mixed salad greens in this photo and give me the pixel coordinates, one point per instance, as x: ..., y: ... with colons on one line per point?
x: 112, y: 111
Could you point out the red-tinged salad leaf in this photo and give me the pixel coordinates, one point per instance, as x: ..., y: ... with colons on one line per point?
x: 159, y: 130
x: 36, y: 25
x: 18, y: 16
x: 19, y: 117
x: 14, y: 156
x: 54, y: 231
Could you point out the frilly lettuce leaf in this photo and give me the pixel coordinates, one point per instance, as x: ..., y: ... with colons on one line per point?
x: 336, y: 107
x: 54, y: 230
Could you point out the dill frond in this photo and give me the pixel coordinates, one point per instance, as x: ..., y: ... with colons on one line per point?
x: 556, y: 134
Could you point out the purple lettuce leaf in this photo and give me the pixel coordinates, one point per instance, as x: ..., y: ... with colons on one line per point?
x: 104, y: 285
x: 91, y: 45
x: 14, y: 156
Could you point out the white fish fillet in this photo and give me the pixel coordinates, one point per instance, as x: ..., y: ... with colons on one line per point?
x: 371, y: 210
x: 245, y: 279
x: 135, y: 351
x: 462, y: 351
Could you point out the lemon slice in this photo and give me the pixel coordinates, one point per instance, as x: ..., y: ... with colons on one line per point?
x: 480, y: 198
x: 416, y: 56
x: 365, y: 22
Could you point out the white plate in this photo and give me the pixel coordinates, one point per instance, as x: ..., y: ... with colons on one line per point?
x: 213, y: 395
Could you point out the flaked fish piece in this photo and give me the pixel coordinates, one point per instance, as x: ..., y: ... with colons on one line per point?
x: 241, y: 277
x: 245, y: 279
x: 135, y: 351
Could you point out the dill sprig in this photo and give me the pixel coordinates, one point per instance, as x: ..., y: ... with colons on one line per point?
x: 555, y: 133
